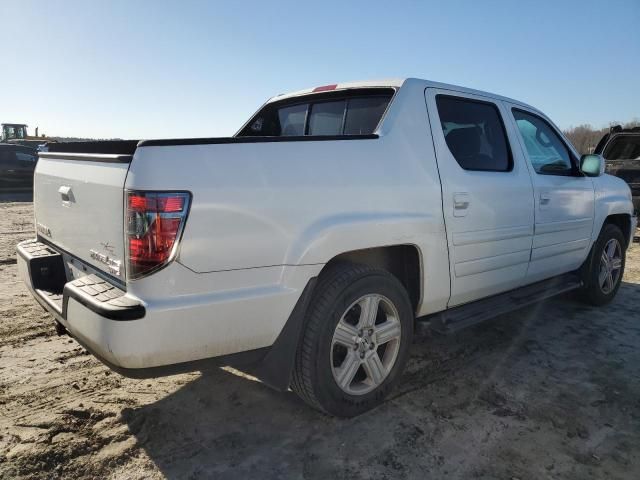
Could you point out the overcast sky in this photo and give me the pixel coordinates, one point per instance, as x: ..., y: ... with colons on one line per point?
x: 149, y: 69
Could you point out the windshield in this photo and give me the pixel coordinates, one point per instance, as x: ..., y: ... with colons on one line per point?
x: 623, y: 147
x: 355, y: 112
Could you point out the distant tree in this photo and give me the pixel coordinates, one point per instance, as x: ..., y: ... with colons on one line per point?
x: 585, y: 137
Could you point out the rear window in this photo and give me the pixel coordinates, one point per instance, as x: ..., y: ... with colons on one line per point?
x: 325, y: 118
x: 292, y: 119
x: 623, y: 147
x: 352, y: 112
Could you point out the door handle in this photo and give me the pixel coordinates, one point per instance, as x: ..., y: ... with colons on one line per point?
x: 460, y: 204
x: 545, y: 199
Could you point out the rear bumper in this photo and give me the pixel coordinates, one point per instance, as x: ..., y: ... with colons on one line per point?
x: 167, y: 331
x: 43, y: 270
x: 90, y: 308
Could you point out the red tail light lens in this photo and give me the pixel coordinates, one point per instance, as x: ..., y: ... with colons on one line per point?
x: 154, y: 224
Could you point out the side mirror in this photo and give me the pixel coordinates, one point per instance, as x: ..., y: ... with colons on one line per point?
x: 592, y: 165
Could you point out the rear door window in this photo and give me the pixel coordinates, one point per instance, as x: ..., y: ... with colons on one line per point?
x: 474, y: 134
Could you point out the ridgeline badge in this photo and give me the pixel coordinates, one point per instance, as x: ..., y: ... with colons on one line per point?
x: 112, y: 264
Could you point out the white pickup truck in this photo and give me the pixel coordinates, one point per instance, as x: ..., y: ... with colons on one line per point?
x: 306, y: 247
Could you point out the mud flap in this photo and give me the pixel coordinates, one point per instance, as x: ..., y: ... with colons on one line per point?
x: 275, y: 368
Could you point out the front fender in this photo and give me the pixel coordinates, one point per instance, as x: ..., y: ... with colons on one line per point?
x: 612, y: 197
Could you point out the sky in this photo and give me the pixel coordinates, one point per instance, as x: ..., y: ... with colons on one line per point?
x: 157, y: 69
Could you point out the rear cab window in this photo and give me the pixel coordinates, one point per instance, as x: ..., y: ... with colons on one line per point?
x: 337, y: 113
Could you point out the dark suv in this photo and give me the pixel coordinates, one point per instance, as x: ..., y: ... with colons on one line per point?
x: 17, y: 164
x: 621, y: 150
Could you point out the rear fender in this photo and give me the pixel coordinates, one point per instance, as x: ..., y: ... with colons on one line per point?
x: 332, y: 236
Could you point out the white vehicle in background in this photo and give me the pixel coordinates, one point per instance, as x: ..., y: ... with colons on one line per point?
x: 307, y: 246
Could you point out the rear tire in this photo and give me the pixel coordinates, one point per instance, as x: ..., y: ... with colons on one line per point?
x: 358, y: 330
x: 605, y: 267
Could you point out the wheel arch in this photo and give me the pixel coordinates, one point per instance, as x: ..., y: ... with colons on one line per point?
x: 620, y: 220
x: 403, y: 261
x: 623, y: 222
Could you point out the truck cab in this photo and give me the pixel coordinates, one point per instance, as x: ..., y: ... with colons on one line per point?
x: 13, y: 131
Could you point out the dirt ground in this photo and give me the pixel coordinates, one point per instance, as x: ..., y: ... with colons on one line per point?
x: 550, y: 391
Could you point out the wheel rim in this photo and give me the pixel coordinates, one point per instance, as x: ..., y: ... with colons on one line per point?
x: 610, y: 266
x: 365, y: 344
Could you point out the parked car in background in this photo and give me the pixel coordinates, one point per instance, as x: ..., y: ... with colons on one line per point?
x: 309, y: 243
x: 17, y: 164
x: 621, y: 151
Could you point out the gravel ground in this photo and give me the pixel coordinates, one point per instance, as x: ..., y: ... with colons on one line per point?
x: 550, y: 391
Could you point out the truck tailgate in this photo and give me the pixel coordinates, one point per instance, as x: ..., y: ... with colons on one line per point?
x: 78, y: 203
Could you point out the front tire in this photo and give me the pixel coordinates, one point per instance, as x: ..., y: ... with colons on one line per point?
x: 358, y: 330
x: 603, y: 273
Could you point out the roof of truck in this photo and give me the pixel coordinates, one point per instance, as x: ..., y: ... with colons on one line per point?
x: 395, y: 83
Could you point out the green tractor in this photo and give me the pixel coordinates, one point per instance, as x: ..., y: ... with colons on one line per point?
x: 16, y: 133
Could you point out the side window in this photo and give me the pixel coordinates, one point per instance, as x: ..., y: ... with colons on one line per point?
x: 475, y: 134
x: 547, y: 152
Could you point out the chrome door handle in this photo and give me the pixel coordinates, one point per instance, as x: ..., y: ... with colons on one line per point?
x: 461, y: 203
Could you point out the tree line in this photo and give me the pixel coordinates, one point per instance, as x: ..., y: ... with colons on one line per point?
x: 585, y: 137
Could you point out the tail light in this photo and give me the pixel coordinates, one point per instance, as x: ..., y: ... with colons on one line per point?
x: 155, y: 221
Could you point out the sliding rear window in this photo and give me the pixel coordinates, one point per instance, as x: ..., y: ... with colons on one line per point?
x: 350, y: 112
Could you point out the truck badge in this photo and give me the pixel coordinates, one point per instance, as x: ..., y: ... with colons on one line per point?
x: 43, y: 229
x: 112, y: 265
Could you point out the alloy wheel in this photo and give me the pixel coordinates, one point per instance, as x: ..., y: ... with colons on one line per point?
x: 365, y: 344
x: 610, y: 266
